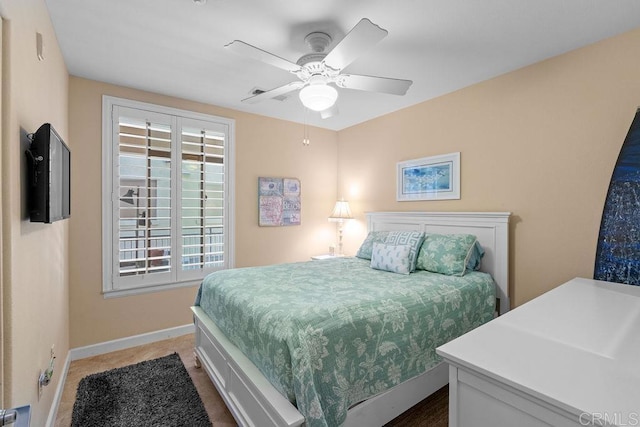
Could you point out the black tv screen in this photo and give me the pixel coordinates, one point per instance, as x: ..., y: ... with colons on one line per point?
x: 49, y: 159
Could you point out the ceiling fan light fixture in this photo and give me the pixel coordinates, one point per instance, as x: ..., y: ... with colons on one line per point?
x: 318, y: 97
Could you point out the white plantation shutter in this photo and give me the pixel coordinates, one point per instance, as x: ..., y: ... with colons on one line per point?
x: 202, y: 194
x: 168, y: 220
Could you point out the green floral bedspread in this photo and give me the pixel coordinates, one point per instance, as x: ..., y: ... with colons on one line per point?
x: 331, y: 333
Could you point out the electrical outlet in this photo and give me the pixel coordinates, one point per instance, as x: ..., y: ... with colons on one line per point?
x: 45, y: 376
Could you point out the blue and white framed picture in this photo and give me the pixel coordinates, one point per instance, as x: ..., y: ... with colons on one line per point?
x: 429, y: 178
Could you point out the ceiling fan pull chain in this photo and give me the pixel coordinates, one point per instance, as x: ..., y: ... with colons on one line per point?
x: 305, y: 132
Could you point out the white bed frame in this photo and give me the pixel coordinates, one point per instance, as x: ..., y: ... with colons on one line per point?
x: 253, y: 401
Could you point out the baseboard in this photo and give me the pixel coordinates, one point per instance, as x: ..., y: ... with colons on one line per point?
x: 128, y: 342
x: 108, y: 347
x: 53, y: 412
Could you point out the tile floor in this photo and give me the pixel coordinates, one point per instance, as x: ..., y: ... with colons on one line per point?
x: 183, y: 345
x: 432, y: 412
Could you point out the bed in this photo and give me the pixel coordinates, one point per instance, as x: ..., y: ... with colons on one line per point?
x: 367, y: 393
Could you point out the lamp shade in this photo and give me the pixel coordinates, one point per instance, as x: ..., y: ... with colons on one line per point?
x: 318, y: 97
x: 341, y: 211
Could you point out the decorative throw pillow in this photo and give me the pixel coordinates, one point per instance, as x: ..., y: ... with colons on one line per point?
x: 367, y: 246
x: 446, y: 253
x: 475, y: 260
x: 411, y: 238
x: 393, y: 258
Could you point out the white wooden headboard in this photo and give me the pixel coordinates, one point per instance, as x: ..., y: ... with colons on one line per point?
x: 491, y: 229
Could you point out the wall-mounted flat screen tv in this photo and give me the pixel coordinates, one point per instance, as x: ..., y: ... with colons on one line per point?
x: 49, y: 162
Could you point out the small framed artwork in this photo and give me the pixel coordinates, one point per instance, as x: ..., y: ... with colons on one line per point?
x: 429, y: 178
x: 278, y: 202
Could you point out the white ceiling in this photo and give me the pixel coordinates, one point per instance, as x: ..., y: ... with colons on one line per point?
x: 175, y: 47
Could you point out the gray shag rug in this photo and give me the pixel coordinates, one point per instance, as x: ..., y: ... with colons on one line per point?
x: 156, y: 393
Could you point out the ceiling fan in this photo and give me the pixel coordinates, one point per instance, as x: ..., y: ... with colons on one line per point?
x: 317, y: 70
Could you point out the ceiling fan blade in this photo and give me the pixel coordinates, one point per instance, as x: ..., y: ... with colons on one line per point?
x: 329, y: 112
x: 374, y: 84
x: 242, y: 48
x: 274, y: 92
x: 361, y: 37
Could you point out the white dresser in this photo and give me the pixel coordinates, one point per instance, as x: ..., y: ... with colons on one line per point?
x: 570, y: 357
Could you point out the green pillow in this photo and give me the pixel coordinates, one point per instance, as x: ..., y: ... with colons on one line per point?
x: 475, y: 260
x: 367, y: 246
x: 446, y: 253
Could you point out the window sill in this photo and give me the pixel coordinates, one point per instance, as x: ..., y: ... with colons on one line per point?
x: 117, y: 293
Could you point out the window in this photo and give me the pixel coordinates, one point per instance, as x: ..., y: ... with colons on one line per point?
x: 167, y: 196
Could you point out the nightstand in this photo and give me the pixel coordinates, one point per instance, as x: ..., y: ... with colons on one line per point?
x: 325, y: 256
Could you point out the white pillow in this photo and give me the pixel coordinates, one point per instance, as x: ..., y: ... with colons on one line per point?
x: 393, y: 258
x: 413, y: 239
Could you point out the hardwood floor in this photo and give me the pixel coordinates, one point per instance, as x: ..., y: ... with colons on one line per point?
x: 431, y: 412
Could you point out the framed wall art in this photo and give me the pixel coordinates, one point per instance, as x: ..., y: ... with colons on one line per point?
x: 429, y: 178
x: 278, y: 202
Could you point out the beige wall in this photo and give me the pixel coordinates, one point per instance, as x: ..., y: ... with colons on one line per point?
x: 35, y: 306
x: 540, y: 142
x: 264, y: 147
